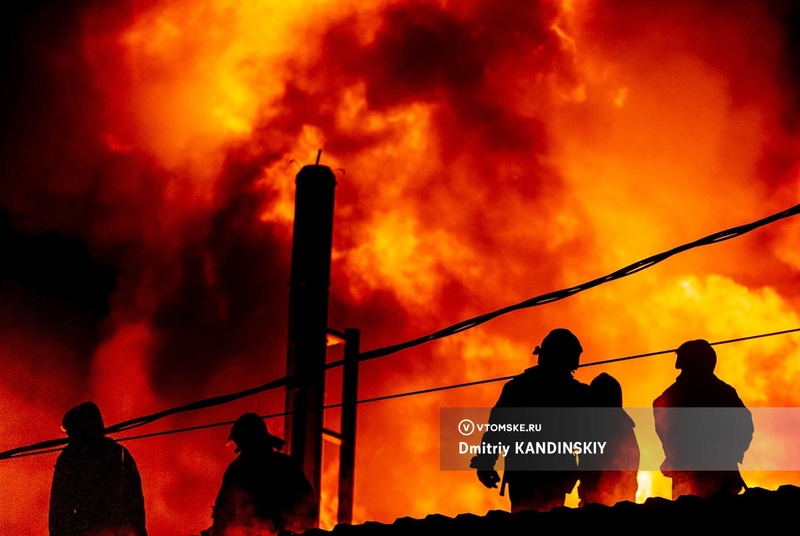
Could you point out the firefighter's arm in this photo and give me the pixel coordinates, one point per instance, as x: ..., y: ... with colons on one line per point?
x: 484, y: 463
x: 489, y: 478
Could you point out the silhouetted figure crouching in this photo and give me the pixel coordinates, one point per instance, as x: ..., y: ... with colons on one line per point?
x: 703, y: 425
x: 263, y: 491
x: 96, y: 487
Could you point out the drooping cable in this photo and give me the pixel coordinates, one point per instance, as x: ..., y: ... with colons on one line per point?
x: 139, y: 421
x: 550, y: 297
x: 54, y: 445
x: 451, y: 330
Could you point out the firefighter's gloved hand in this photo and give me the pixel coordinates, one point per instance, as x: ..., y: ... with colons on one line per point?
x: 489, y: 478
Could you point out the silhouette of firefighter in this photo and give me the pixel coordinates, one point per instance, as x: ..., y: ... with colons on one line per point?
x: 610, y: 477
x: 549, y: 384
x: 263, y: 491
x: 96, y: 487
x: 704, y: 426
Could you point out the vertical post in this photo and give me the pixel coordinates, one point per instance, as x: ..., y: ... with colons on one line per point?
x: 347, y: 450
x: 309, y: 285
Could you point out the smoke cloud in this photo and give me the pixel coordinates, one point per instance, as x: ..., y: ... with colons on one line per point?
x: 485, y: 152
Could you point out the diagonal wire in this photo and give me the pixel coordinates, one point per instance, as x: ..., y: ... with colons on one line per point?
x: 550, y: 297
x: 140, y: 421
x: 451, y: 330
x: 53, y: 446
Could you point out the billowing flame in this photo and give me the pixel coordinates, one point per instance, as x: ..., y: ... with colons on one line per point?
x: 485, y: 152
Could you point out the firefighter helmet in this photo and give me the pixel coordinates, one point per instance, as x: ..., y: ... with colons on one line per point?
x: 696, y: 356
x: 560, y: 349
x: 250, y: 429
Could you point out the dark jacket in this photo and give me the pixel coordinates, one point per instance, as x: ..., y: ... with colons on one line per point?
x: 96, y: 487
x: 611, y: 478
x: 536, y: 387
x: 264, y: 489
x: 702, y: 445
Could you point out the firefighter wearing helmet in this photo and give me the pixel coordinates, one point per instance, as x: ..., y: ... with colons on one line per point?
x: 549, y: 384
x: 704, y: 426
x: 263, y: 490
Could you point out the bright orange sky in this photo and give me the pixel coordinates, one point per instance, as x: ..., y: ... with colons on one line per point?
x: 485, y: 152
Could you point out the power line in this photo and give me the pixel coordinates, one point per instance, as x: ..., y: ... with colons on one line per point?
x: 590, y: 364
x: 31, y: 451
x: 729, y: 341
x: 466, y: 324
x: 451, y: 330
x: 140, y: 421
x: 550, y: 297
x: 200, y: 404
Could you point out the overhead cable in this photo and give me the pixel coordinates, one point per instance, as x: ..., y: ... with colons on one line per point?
x: 473, y: 322
x: 451, y: 330
x: 550, y: 297
x: 147, y: 419
x: 53, y: 446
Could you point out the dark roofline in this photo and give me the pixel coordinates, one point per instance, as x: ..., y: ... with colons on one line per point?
x: 722, y: 512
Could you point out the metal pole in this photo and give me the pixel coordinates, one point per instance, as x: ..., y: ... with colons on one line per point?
x: 347, y: 450
x: 309, y: 285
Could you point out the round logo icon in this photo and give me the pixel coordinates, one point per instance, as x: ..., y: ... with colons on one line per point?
x: 466, y: 427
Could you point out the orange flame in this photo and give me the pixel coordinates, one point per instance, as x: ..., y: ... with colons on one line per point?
x: 485, y: 153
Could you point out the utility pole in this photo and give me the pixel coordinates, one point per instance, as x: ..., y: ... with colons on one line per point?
x: 347, y: 450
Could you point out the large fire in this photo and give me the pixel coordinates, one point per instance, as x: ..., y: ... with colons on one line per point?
x: 486, y: 152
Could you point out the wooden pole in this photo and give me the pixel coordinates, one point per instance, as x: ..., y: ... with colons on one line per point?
x: 347, y: 450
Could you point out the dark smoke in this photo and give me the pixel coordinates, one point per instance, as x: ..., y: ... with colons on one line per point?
x: 93, y: 237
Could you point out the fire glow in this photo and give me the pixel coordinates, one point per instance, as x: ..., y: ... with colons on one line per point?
x: 485, y: 152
